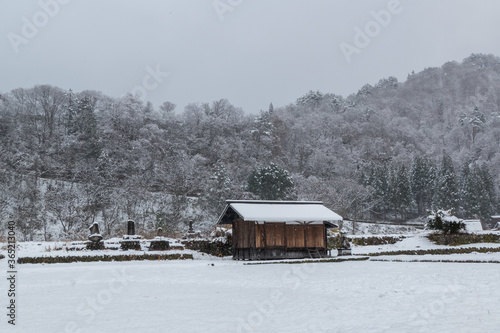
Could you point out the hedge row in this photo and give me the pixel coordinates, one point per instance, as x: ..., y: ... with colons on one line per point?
x: 463, y: 238
x: 452, y: 261
x: 215, y: 248
x: 334, y: 242
x: 436, y: 251
x: 69, y: 259
x: 381, y: 240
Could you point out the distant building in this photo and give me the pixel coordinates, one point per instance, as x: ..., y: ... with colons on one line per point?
x: 473, y: 225
x: 495, y: 221
x: 278, y: 229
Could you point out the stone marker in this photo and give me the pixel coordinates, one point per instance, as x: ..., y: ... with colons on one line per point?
x: 131, y: 241
x: 130, y: 228
x: 95, y: 238
x: 191, y: 233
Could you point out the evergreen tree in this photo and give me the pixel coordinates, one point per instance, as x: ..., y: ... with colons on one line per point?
x: 487, y: 194
x: 446, y: 194
x: 422, y: 178
x: 378, y: 179
x: 468, y: 191
x: 477, y: 122
x: 271, y: 183
x: 71, y: 114
x: 477, y: 192
x: 400, y: 191
x: 85, y: 126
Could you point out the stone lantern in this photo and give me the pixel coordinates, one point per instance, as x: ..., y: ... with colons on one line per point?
x: 95, y: 238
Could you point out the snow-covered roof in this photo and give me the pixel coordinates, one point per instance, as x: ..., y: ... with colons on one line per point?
x: 278, y: 211
x: 473, y: 225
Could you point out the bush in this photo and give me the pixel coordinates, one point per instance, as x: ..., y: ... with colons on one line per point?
x: 216, y: 247
x: 444, y: 221
x: 333, y: 242
x: 221, y: 244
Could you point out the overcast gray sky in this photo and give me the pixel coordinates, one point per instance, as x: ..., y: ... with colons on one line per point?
x: 251, y: 52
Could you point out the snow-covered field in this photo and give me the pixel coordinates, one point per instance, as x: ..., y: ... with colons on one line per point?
x: 194, y: 296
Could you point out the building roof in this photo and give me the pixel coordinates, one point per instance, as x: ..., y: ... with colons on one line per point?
x: 311, y: 212
x: 473, y: 225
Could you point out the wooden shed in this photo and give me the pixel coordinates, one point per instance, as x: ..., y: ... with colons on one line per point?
x: 278, y: 229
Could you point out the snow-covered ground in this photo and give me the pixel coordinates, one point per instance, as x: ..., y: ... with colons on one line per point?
x: 361, y: 228
x: 210, y: 294
x: 196, y: 296
x: 413, y: 242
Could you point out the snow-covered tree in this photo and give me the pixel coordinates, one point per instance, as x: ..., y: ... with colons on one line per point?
x: 400, y: 191
x: 444, y: 220
x: 311, y: 99
x: 446, y: 192
x: 378, y: 180
x: 271, y: 183
x: 477, y: 191
x: 422, y: 178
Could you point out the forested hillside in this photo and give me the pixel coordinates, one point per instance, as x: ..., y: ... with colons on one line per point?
x: 389, y: 151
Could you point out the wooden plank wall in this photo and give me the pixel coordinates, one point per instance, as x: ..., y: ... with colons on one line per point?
x: 274, y: 235
x: 243, y: 234
x: 315, y: 236
x: 260, y: 236
x: 295, y: 236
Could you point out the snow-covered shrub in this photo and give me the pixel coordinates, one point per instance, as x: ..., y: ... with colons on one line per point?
x: 220, y: 245
x: 334, y: 242
x: 444, y: 221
